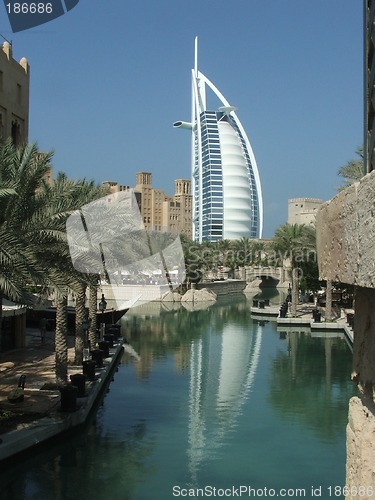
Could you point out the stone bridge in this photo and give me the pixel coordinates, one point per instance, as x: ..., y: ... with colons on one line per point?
x: 280, y: 275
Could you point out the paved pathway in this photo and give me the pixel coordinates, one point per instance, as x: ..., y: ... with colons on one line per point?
x: 37, y: 362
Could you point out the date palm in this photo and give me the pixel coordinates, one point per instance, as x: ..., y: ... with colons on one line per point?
x: 33, y: 242
x: 80, y: 309
x: 294, y: 241
x: 65, y: 197
x: 353, y: 170
x: 22, y: 174
x: 93, y: 301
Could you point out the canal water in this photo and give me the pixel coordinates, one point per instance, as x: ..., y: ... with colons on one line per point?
x: 208, y: 399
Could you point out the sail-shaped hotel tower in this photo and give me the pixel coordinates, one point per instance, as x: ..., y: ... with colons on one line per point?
x: 227, y: 194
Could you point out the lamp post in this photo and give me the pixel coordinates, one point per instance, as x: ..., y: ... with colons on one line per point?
x: 86, y: 345
x: 102, y: 308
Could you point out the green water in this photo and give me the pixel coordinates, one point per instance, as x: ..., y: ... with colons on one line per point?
x: 217, y: 401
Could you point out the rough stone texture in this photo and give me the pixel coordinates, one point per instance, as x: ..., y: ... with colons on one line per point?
x: 366, y: 231
x: 203, y: 295
x: 345, y: 235
x: 253, y: 286
x: 171, y: 297
x: 345, y: 245
x: 336, y: 238
x: 360, y: 449
x: 222, y: 287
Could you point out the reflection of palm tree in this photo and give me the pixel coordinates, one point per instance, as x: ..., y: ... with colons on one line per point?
x: 118, y: 475
x: 301, y: 383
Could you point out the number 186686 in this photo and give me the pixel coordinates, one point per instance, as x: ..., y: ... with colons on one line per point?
x: 29, y: 8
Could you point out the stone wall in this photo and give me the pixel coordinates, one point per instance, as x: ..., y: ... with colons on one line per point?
x: 345, y: 245
x: 360, y: 449
x: 346, y: 235
x: 224, y: 287
x: 364, y: 338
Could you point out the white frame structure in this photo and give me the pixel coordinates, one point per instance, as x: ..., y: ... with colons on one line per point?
x: 227, y: 194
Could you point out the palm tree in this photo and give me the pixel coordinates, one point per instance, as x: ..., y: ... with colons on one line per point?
x: 93, y: 298
x: 244, y: 250
x: 80, y: 308
x: 61, y: 339
x: 294, y: 241
x: 33, y: 241
x: 67, y: 196
x: 352, y: 171
x: 22, y: 174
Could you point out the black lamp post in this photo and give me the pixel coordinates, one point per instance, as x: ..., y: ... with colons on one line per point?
x: 86, y: 345
x: 102, y: 308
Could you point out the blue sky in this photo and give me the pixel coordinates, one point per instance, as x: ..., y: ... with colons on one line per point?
x: 109, y: 78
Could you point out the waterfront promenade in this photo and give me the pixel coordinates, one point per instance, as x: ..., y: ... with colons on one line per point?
x: 39, y: 417
x: 304, y: 319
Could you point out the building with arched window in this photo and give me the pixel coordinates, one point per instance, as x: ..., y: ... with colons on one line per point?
x: 227, y: 195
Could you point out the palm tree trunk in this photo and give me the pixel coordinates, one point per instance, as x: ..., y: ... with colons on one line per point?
x: 80, y: 319
x: 61, y: 340
x: 92, y: 313
x: 295, y: 289
x: 328, y: 311
x: 1, y: 316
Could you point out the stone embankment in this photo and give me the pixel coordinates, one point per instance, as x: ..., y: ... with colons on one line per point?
x: 53, y: 415
x: 206, y: 291
x: 191, y: 295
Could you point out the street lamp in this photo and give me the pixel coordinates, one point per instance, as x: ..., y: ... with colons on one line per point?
x: 102, y: 308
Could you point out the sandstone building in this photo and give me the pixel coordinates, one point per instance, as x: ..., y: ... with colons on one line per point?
x: 14, y: 96
x: 161, y: 212
x: 303, y: 210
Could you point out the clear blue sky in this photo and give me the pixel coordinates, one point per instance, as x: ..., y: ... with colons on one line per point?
x: 109, y: 78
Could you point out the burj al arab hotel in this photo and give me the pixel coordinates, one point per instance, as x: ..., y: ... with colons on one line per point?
x: 227, y: 194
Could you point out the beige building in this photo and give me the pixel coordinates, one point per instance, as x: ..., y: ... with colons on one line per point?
x: 14, y: 96
x: 177, y: 210
x: 303, y: 210
x: 161, y: 212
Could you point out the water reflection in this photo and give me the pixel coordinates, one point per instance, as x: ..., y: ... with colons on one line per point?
x: 222, y: 369
x: 204, y: 397
x: 89, y: 465
x: 310, y: 381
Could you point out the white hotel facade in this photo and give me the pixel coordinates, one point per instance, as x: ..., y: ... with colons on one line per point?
x: 226, y: 188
